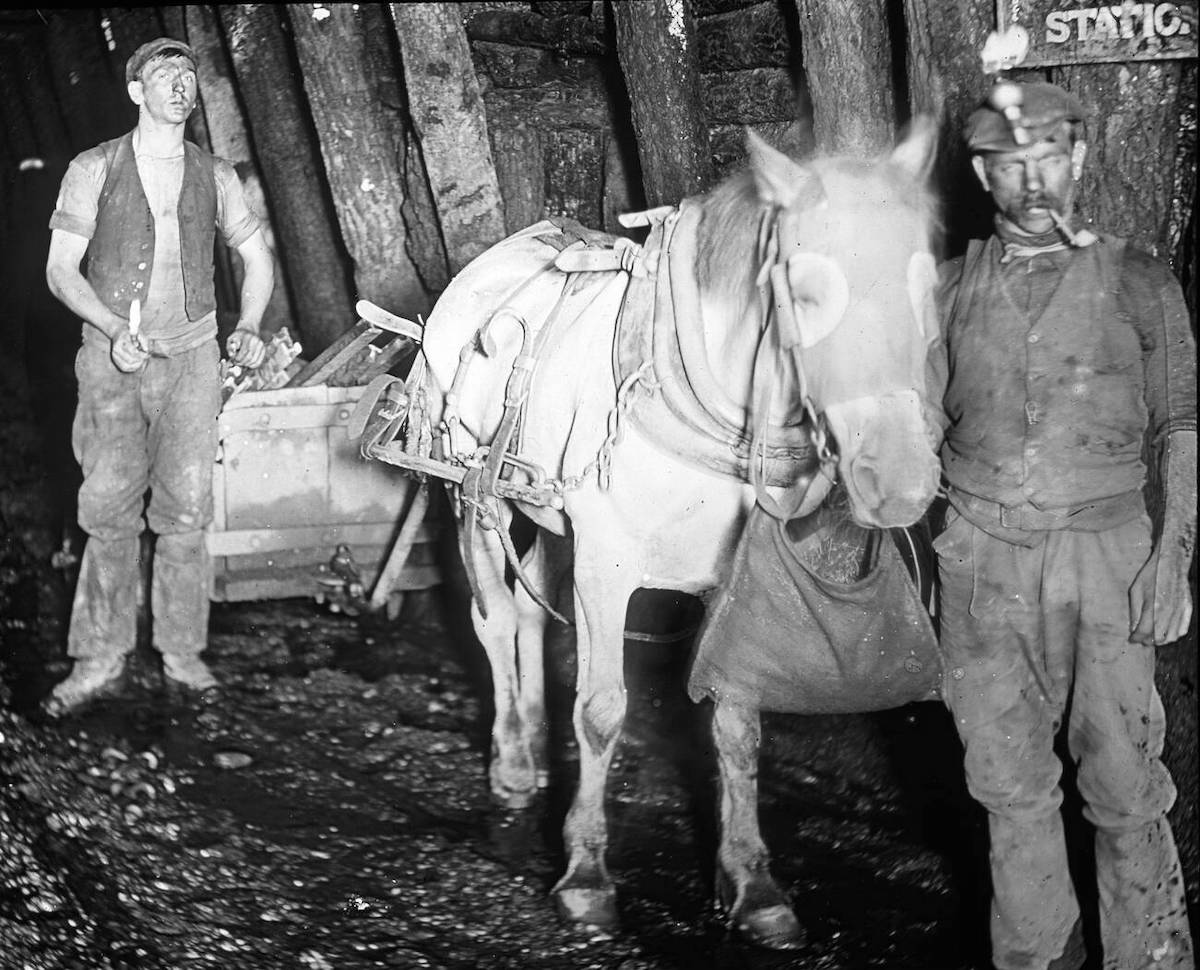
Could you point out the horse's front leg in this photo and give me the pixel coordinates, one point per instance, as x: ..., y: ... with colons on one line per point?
x: 512, y: 773
x: 585, y: 894
x: 546, y: 565
x: 757, y: 908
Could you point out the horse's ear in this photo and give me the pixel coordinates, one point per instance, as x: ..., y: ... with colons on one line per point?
x: 779, y: 180
x: 917, y: 150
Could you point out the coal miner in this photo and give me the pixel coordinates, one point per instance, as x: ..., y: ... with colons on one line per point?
x: 140, y: 213
x: 1068, y: 350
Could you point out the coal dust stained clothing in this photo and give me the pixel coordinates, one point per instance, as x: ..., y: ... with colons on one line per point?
x: 151, y: 223
x: 1060, y: 365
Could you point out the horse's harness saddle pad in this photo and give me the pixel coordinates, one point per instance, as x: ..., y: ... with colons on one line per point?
x: 661, y: 322
x: 662, y: 297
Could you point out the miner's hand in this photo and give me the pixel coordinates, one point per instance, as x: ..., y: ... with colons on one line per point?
x: 1160, y: 599
x: 246, y: 348
x: 127, y: 352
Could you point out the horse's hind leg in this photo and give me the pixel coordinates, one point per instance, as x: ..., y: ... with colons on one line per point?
x: 585, y: 894
x: 512, y: 772
x: 757, y: 908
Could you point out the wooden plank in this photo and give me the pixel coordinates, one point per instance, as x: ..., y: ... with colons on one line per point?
x: 335, y: 355
x: 377, y: 360
x: 235, y: 587
x: 311, y: 416
x: 243, y: 541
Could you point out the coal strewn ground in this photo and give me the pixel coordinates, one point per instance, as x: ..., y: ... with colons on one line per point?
x: 331, y: 810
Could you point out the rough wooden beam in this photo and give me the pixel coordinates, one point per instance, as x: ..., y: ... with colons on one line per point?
x: 292, y: 171
x: 793, y: 138
x: 945, y: 81
x: 18, y: 125
x: 448, y: 116
x: 128, y: 28
x: 221, y: 120
x: 754, y: 37
x: 750, y: 97
x: 563, y: 34
x: 94, y: 103
x: 36, y: 91
x: 520, y: 171
x: 574, y: 161
x: 360, y: 139
x: 1132, y: 181
x: 656, y: 44
x: 848, y: 62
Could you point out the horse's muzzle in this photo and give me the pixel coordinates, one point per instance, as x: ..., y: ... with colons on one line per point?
x: 890, y: 472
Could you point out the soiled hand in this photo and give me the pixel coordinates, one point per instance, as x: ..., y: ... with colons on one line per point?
x: 246, y: 348
x: 1160, y: 599
x: 127, y: 352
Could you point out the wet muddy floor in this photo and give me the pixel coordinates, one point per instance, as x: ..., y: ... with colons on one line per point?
x: 330, y: 810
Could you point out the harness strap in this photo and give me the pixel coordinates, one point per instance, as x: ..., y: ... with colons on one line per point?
x: 782, y: 329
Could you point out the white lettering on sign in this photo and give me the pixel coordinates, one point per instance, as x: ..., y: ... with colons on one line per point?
x: 1124, y: 21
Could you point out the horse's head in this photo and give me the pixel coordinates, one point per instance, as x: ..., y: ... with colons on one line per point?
x: 853, y: 283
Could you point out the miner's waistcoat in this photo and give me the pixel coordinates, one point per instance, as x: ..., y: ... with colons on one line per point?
x: 121, y: 254
x: 1047, y: 410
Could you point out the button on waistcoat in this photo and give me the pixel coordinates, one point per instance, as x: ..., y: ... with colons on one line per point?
x: 120, y: 256
x: 1048, y: 411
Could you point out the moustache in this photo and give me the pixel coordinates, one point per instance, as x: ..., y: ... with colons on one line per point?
x: 1039, y: 201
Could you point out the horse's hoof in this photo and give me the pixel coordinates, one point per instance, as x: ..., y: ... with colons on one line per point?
x: 593, y: 907
x: 515, y: 799
x: 774, y: 927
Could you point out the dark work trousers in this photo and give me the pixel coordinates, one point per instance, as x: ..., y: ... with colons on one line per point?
x: 154, y: 429
x: 1024, y: 631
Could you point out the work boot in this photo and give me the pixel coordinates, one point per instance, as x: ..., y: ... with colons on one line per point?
x: 91, y: 678
x: 189, y: 677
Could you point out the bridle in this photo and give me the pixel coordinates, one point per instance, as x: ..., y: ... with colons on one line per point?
x: 781, y: 329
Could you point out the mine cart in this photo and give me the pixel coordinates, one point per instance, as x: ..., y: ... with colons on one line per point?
x: 298, y: 511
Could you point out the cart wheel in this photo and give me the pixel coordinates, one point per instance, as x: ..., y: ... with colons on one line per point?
x: 395, y: 603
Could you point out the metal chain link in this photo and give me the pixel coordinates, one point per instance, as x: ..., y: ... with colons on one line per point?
x: 601, y: 465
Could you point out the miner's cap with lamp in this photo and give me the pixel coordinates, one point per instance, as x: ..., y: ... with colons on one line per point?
x: 159, y: 47
x: 1042, y: 107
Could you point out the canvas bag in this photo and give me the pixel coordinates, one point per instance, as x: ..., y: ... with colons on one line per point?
x: 779, y: 636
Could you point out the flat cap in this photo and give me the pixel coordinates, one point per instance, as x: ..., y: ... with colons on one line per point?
x: 159, y: 47
x: 1043, y: 108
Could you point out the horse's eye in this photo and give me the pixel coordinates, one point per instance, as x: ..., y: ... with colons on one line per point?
x: 922, y: 280
x: 820, y: 295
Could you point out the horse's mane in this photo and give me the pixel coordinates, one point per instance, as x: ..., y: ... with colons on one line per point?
x: 727, y: 238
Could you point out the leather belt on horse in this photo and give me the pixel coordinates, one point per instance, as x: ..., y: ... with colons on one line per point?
x: 689, y: 415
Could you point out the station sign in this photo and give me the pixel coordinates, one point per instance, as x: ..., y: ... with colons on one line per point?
x: 1063, y: 32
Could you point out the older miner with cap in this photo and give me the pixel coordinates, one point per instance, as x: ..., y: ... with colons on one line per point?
x: 1067, y: 350
x: 140, y: 213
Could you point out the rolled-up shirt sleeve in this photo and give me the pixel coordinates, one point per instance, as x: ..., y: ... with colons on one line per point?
x: 235, y: 218
x: 1154, y: 300
x: 79, y: 195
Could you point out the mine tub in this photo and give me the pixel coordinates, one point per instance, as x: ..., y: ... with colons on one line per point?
x: 289, y: 487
